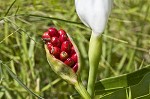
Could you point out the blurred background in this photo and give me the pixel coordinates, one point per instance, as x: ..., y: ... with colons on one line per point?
x: 126, y: 44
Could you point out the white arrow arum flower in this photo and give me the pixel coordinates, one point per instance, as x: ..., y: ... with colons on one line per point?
x: 94, y: 13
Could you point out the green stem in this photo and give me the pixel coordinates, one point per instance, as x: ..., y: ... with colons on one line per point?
x: 82, y: 91
x: 95, y: 50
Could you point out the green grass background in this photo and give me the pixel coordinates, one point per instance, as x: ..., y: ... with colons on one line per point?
x: 126, y: 44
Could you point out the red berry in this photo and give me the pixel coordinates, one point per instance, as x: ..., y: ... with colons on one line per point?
x: 66, y: 46
x: 69, y: 62
x: 72, y: 51
x: 75, y: 67
x: 55, y: 51
x: 49, y: 46
x: 55, y: 41
x: 53, y: 32
x: 74, y: 57
x: 68, y: 40
x: 61, y: 32
x: 63, y: 55
x: 63, y: 38
x: 46, y: 36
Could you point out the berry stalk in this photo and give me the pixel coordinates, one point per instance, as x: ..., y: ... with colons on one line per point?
x: 82, y: 91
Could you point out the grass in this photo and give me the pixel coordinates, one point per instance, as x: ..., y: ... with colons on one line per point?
x: 125, y: 48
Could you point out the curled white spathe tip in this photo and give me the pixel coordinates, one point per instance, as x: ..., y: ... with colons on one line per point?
x: 94, y: 13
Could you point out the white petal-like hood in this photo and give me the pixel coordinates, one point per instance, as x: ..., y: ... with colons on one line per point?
x: 94, y: 13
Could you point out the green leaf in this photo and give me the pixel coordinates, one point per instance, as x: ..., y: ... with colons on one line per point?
x: 114, y: 83
x: 10, y: 7
x: 144, y: 97
x: 51, y: 18
x: 1, y: 95
x: 142, y: 88
x: 139, y: 91
x: 20, y: 82
x: 119, y: 94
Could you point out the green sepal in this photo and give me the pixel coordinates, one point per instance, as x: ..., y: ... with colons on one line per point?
x: 62, y: 70
x: 77, y: 52
x: 66, y: 72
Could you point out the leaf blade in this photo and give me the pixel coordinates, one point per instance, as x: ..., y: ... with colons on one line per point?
x: 122, y: 81
x: 20, y: 82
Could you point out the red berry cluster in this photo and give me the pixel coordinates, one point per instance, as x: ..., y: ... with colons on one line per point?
x: 60, y: 47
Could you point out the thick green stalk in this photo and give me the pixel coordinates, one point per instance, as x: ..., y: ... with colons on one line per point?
x: 95, y: 50
x: 82, y: 91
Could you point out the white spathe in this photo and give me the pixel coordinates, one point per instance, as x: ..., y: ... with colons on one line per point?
x: 94, y: 13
